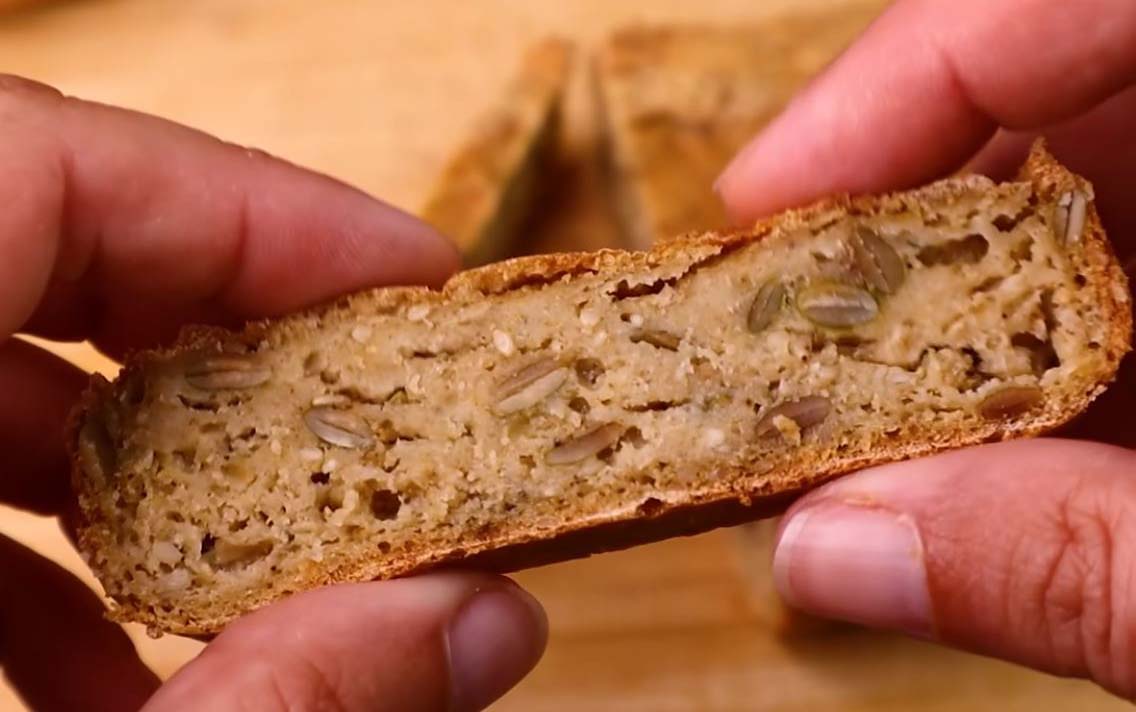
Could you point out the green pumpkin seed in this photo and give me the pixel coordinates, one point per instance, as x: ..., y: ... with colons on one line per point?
x: 882, y: 267
x: 766, y: 305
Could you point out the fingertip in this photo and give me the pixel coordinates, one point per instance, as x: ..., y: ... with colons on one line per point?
x: 433, y: 253
x: 447, y: 640
x: 496, y: 638
x: 745, y: 187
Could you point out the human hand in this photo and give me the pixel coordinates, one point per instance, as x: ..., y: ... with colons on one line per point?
x: 120, y: 228
x: 1024, y: 550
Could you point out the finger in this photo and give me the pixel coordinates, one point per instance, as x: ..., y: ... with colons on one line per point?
x: 1099, y: 145
x: 439, y: 642
x: 37, y: 391
x: 59, y: 652
x: 121, y: 226
x: 925, y: 87
x: 1025, y: 551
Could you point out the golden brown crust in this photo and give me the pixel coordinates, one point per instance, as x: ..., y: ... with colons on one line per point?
x: 743, y: 493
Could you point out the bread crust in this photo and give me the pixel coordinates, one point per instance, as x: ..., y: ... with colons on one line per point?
x: 742, y: 496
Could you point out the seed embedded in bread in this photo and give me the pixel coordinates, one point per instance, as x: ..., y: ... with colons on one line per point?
x: 383, y: 458
x: 530, y: 384
x: 1011, y: 401
x: 209, y: 372
x: 882, y: 267
x: 767, y: 303
x: 585, y: 446
x: 338, y: 427
x: 837, y: 305
x: 804, y: 413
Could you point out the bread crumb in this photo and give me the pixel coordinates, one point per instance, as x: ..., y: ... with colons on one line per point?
x: 503, y: 342
x: 311, y: 454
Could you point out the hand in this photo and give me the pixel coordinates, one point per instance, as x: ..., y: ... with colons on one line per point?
x: 119, y: 228
x: 1024, y: 550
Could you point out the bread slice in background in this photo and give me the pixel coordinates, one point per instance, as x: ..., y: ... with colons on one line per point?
x: 680, y: 100
x: 492, y: 183
x: 557, y: 406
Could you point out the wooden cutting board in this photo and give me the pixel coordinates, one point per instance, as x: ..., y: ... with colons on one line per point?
x: 377, y: 93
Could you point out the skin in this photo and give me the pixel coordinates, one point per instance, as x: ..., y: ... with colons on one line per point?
x: 99, y: 240
x: 119, y: 228
x: 1023, y: 550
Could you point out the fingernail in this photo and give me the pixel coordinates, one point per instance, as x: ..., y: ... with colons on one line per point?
x: 494, y: 640
x: 854, y: 563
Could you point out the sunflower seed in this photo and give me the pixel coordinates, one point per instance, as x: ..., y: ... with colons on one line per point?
x: 882, y: 267
x: 656, y: 338
x: 339, y: 428
x: 1010, y: 402
x: 581, y: 448
x: 805, y: 412
x: 1074, y: 217
x: 523, y: 377
x: 225, y: 372
x: 837, y: 305
x: 529, y: 385
x: 766, y: 305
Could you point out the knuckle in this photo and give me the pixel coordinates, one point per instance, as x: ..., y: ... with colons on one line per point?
x: 274, y: 677
x: 288, y: 685
x: 1072, y: 589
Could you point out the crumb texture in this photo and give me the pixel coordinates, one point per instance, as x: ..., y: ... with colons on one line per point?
x: 409, y: 427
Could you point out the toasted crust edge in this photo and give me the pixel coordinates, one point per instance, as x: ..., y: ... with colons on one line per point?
x: 505, y: 551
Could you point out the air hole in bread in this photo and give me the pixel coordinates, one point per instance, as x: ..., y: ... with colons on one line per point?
x: 385, y: 504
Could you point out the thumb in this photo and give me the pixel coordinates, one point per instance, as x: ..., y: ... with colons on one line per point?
x: 449, y: 642
x: 1025, y: 551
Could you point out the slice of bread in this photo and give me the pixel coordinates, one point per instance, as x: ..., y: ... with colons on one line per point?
x: 557, y: 406
x: 679, y: 101
x: 489, y: 187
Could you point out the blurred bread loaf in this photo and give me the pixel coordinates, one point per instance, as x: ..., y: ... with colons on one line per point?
x: 494, y: 180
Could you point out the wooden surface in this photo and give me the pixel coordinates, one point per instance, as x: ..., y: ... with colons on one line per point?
x: 376, y: 93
